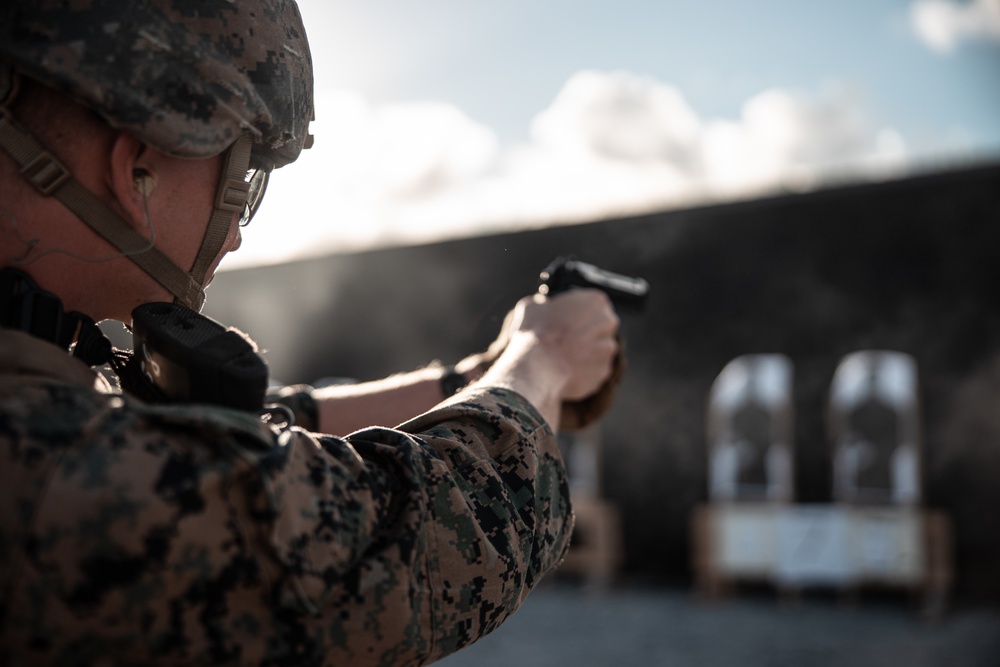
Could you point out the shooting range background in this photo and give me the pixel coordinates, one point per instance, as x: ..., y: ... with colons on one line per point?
x: 907, y: 265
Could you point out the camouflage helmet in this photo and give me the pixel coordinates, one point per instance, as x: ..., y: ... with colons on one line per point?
x: 187, y: 77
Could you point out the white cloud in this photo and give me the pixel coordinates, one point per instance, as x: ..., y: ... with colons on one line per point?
x: 369, y: 171
x: 401, y: 150
x: 619, y: 116
x: 793, y: 140
x: 942, y: 24
x: 609, y: 144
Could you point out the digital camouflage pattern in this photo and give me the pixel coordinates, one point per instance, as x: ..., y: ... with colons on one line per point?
x: 185, y: 76
x: 188, y: 535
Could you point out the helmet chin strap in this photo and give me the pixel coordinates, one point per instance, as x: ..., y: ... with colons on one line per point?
x: 53, y: 179
x: 230, y: 200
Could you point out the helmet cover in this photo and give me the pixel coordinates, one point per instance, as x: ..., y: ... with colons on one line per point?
x: 186, y: 77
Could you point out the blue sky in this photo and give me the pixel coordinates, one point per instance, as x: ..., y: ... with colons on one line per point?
x: 503, y: 64
x: 447, y: 118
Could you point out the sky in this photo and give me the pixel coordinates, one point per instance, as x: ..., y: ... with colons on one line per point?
x: 446, y: 118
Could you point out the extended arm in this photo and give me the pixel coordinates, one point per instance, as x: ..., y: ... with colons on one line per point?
x: 554, y: 349
x: 344, y: 409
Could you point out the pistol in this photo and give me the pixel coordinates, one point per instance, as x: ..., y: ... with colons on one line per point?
x: 564, y: 273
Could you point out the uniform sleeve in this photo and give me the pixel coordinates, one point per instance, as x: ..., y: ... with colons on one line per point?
x: 400, y: 546
x: 159, y: 535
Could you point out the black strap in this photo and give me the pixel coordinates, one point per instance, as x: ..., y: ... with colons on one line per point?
x: 24, y: 306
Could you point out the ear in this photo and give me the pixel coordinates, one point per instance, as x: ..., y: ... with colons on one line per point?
x: 133, y: 179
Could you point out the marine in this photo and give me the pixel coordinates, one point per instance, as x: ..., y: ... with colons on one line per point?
x: 136, y: 142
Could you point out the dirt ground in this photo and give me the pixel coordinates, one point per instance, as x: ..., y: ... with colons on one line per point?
x: 561, y: 625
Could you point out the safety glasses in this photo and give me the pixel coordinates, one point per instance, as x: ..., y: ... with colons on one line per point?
x: 257, y: 181
x: 242, y: 186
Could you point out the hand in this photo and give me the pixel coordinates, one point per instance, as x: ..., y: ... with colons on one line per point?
x: 541, y: 313
x: 578, y: 331
x: 558, y: 349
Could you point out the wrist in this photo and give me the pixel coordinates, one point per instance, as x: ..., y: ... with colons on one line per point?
x: 474, y: 366
x: 452, y: 381
x: 531, y: 370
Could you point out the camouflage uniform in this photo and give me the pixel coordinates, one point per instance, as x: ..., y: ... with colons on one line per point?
x: 154, y: 535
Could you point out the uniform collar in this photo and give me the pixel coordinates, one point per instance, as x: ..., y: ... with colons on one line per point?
x: 24, y: 355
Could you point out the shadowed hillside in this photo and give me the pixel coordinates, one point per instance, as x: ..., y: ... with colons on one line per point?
x: 907, y: 265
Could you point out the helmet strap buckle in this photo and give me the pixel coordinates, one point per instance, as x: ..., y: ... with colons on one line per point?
x: 232, y: 196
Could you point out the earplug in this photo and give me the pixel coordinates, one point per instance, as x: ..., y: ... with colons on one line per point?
x: 143, y: 182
